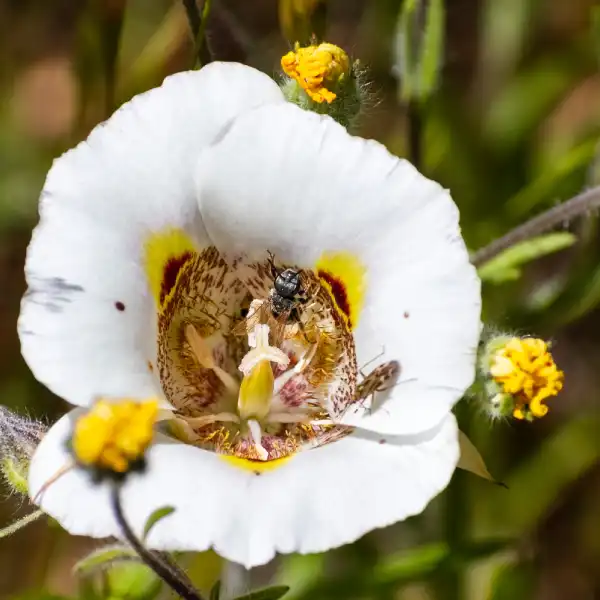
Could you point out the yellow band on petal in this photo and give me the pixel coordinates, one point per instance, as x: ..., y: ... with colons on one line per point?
x: 256, y: 466
x: 344, y: 277
x: 165, y: 254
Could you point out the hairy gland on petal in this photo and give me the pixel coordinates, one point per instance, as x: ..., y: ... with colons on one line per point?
x: 316, y: 68
x: 113, y: 435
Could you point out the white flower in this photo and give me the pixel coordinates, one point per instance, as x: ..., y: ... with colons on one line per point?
x: 156, y: 235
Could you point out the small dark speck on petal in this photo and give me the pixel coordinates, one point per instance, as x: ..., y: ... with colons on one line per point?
x: 119, y: 306
x: 382, y: 441
x: 406, y: 315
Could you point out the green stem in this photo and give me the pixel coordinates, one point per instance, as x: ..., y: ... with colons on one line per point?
x: 14, y: 527
x: 235, y: 580
x: 198, y: 23
x: 202, y: 53
x: 415, y: 129
x: 180, y: 586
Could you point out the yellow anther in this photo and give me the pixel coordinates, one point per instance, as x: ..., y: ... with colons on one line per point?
x: 525, y: 369
x: 256, y: 392
x: 316, y: 68
x: 113, y: 435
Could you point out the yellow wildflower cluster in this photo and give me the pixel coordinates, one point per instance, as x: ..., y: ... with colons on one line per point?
x: 113, y: 435
x: 525, y: 369
x: 316, y: 68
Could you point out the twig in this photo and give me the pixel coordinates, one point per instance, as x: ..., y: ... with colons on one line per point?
x: 563, y: 213
x: 153, y: 560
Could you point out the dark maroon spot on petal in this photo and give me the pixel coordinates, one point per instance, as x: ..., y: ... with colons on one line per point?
x: 170, y: 273
x: 119, y: 306
x: 382, y: 441
x: 406, y: 315
x: 338, y: 289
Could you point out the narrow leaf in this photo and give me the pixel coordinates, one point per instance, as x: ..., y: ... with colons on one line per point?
x: 507, y: 264
x: 270, y: 593
x: 470, y: 459
x: 413, y: 565
x: 513, y: 582
x: 570, y: 451
x: 215, y: 592
x: 155, y: 517
x: 433, y: 48
x: 103, y: 558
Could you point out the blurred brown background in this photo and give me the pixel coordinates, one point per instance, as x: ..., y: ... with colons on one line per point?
x: 512, y: 128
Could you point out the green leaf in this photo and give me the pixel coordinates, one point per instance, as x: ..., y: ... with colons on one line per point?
x: 584, y: 299
x: 571, y: 451
x: 155, y: 517
x: 595, y: 30
x: 513, y: 582
x: 419, y: 47
x: 270, y: 593
x: 39, y: 595
x: 103, y: 558
x: 132, y: 582
x: 413, y: 565
x: 433, y: 48
x: 215, y: 591
x: 470, y: 459
x: 543, y: 190
x: 507, y: 265
x: 300, y: 571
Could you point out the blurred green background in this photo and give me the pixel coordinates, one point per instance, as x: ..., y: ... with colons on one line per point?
x: 512, y: 128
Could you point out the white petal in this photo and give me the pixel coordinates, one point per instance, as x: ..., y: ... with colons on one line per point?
x: 101, y: 200
x: 298, y: 184
x: 320, y: 499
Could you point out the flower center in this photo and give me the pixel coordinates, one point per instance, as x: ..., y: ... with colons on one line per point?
x: 525, y: 369
x: 253, y: 374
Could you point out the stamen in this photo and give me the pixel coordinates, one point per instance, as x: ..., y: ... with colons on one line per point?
x: 209, y: 419
x: 204, y: 356
x: 256, y: 434
x: 287, y: 417
x: 299, y: 367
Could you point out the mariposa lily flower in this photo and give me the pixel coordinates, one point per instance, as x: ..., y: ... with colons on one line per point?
x: 299, y: 301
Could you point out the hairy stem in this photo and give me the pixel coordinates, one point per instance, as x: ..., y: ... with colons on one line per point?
x: 415, y: 128
x: 153, y: 560
x: 235, y: 580
x: 23, y: 522
x: 558, y: 215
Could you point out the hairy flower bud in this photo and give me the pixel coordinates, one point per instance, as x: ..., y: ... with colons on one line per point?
x: 518, y: 375
x: 19, y: 437
x: 322, y: 79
